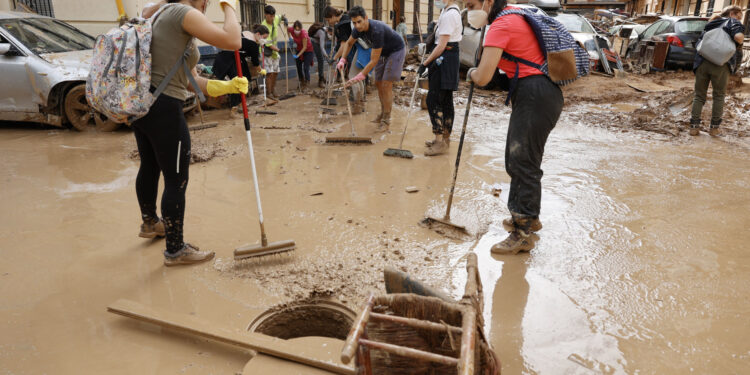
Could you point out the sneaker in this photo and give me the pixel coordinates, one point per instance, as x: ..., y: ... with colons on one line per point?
x: 516, y: 242
x: 536, y: 225
x: 151, y: 229
x: 694, y: 131
x: 438, y: 148
x: 714, y: 132
x: 432, y: 142
x: 189, y: 254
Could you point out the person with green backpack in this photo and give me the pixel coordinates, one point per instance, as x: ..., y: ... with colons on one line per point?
x: 712, y: 66
x: 162, y: 135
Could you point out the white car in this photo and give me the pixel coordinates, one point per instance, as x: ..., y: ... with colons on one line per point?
x: 582, y: 32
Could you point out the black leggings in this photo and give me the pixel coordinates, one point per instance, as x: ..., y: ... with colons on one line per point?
x: 440, y: 108
x: 164, y: 147
x: 537, y: 104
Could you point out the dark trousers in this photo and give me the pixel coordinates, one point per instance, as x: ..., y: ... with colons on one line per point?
x: 443, y: 80
x: 164, y: 147
x: 303, y: 66
x: 718, y: 77
x: 321, y: 61
x: 537, y: 104
x: 440, y: 108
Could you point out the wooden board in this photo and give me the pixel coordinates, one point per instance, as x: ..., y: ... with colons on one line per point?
x: 253, y: 341
x: 327, y: 348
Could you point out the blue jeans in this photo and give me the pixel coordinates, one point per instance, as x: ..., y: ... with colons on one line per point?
x: 303, y: 66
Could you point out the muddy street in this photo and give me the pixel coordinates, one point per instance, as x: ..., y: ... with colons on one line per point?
x: 641, y: 266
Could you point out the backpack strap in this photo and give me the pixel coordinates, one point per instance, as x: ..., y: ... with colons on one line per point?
x: 516, y: 59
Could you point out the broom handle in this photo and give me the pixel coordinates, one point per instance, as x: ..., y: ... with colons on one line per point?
x: 264, y: 241
x: 331, y: 69
x: 463, y: 131
x: 348, y: 107
x: 286, y: 58
x: 411, y: 104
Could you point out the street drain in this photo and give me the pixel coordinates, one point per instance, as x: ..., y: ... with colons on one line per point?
x: 304, y: 319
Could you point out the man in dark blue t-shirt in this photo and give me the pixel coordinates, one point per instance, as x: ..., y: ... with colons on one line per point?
x: 707, y: 72
x: 387, y: 59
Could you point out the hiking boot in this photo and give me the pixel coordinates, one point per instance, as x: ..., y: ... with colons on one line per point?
x: 189, y: 254
x: 437, y: 148
x: 432, y: 142
x: 534, y: 226
x: 152, y: 228
x: 695, y: 126
x: 516, y: 242
x: 714, y: 132
x: 694, y: 131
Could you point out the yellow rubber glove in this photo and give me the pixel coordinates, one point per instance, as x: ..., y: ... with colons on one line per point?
x: 217, y: 88
x: 263, y: 72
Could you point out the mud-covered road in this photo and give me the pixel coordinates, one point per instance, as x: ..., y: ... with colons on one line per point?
x: 642, y: 265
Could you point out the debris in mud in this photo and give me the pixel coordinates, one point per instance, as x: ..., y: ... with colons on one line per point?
x: 412, y: 189
x: 496, y: 190
x: 200, y: 151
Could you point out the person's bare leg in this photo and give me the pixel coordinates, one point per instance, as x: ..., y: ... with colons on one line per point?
x: 271, y: 85
x: 379, y: 85
x: 386, y: 103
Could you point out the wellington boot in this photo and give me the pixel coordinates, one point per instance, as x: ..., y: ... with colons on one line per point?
x: 152, y: 228
x: 535, y: 225
x: 189, y: 254
x: 437, y: 148
x: 516, y: 242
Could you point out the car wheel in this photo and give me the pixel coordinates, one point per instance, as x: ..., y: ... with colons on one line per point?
x: 80, y: 114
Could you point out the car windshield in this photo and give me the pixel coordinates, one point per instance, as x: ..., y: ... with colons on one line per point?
x: 690, y: 26
x: 575, y: 23
x: 45, y: 35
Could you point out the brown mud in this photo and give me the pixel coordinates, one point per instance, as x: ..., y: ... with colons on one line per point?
x: 640, y: 268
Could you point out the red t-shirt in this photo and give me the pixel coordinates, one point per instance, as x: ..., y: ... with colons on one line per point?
x: 514, y: 35
x: 301, y: 38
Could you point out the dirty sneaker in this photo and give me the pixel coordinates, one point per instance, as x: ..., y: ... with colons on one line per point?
x: 189, y: 254
x: 535, y: 226
x: 385, y: 122
x: 437, y: 148
x: 152, y: 228
x: 432, y: 142
x: 515, y: 242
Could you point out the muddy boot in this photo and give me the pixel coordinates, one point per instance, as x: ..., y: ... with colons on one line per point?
x: 695, y: 126
x: 378, y: 119
x: 189, y: 254
x: 446, y: 139
x: 437, y: 148
x: 385, y: 123
x: 152, y: 228
x: 517, y: 241
x: 535, y: 226
x: 714, y: 131
x: 321, y: 84
x: 357, y: 108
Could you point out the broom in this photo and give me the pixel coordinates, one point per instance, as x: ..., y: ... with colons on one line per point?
x: 264, y: 248
x: 353, y: 138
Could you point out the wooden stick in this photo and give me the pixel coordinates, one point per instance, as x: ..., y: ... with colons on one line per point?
x: 468, y: 342
x: 410, y: 353
x: 249, y: 340
x: 358, y: 329
x: 416, y: 323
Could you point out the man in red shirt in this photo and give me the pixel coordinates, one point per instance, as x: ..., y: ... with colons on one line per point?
x: 536, y: 106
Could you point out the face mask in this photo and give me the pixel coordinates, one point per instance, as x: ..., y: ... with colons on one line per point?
x: 263, y: 41
x: 296, y: 32
x: 477, y: 18
x: 439, y: 4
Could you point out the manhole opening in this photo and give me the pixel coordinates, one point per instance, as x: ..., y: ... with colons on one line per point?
x: 305, y: 319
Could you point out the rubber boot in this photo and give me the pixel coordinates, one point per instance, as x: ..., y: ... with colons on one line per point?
x: 714, y: 131
x: 695, y: 126
x: 189, y: 254
x: 152, y: 228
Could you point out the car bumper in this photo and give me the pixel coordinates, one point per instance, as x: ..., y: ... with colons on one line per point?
x: 681, y: 55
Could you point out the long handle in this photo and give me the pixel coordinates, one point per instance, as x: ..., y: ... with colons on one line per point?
x: 264, y: 241
x: 348, y: 107
x: 463, y: 131
x: 411, y: 104
x: 331, y: 69
x: 286, y: 58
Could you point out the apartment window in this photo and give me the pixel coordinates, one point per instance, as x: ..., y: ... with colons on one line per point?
x: 320, y: 6
x: 251, y: 12
x: 43, y: 7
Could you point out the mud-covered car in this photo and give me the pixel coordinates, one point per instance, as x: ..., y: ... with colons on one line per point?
x: 682, y: 34
x: 44, y: 64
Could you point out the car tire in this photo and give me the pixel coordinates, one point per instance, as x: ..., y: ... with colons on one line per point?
x: 81, y: 116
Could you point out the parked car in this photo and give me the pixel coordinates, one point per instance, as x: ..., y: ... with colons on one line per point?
x: 582, y: 32
x: 44, y: 64
x: 629, y: 33
x: 681, y: 32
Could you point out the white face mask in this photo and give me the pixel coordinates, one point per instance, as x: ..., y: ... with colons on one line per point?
x: 439, y: 4
x: 296, y: 32
x: 263, y: 41
x: 477, y: 18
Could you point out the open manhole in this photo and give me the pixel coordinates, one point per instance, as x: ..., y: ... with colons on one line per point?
x: 304, y: 319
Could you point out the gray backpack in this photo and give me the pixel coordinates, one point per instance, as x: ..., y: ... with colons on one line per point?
x: 717, y: 46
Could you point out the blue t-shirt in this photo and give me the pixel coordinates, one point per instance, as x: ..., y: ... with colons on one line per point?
x: 379, y: 35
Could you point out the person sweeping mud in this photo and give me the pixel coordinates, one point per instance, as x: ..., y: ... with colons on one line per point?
x: 162, y: 135
x: 304, y: 56
x: 387, y: 58
x: 318, y: 35
x: 443, y: 64
x: 718, y: 75
x: 536, y: 106
x: 342, y: 30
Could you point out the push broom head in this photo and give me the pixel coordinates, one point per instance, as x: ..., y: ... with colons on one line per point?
x: 395, y: 152
x: 366, y: 140
x: 288, y: 95
x: 329, y: 101
x: 445, y: 227
x: 255, y: 251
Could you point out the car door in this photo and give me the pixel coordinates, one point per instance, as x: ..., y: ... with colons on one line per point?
x: 16, y: 92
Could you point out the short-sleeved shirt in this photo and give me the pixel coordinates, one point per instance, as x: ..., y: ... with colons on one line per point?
x: 343, y: 30
x: 402, y: 29
x: 167, y: 46
x: 380, y: 35
x: 514, y: 35
x: 733, y: 27
x: 449, y: 23
x: 300, y: 38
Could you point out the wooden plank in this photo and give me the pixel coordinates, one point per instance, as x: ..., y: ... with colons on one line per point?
x: 246, y: 340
